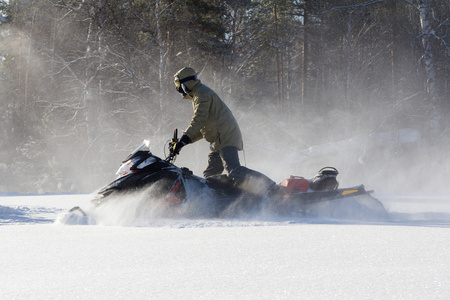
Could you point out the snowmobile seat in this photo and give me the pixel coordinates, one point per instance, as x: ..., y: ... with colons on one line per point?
x: 219, y: 180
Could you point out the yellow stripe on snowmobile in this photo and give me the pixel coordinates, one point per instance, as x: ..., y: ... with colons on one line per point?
x: 349, y: 192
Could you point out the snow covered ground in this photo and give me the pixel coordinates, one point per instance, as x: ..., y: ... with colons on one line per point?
x: 406, y: 256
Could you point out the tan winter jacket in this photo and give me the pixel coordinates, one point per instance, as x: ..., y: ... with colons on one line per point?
x: 212, y: 119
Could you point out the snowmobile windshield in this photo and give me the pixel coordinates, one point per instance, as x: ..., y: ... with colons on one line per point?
x: 145, y: 146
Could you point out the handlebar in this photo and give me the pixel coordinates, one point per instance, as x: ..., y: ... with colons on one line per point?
x: 172, y: 155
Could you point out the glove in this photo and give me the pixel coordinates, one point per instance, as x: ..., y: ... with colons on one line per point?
x: 184, y: 140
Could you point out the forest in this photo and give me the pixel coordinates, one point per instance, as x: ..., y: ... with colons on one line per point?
x: 83, y: 82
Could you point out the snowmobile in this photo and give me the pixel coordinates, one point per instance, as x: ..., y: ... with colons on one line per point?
x: 173, y: 188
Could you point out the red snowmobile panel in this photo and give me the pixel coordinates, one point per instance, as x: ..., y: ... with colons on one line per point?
x: 295, y: 184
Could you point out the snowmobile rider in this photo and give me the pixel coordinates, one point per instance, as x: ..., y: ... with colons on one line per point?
x: 214, y: 122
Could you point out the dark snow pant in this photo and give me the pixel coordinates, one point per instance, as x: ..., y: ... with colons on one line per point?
x: 228, y: 159
x: 225, y: 159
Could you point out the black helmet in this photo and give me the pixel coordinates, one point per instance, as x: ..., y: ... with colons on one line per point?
x: 325, y: 180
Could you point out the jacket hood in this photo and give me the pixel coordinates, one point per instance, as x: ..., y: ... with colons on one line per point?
x: 185, y: 72
x: 188, y: 72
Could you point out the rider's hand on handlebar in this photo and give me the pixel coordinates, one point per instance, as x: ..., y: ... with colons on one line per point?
x: 184, y: 140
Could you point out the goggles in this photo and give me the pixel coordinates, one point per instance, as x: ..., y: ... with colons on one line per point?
x: 179, y: 82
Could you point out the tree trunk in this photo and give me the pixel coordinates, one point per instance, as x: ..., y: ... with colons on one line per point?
x: 305, y: 51
x: 393, y: 52
x: 430, y: 84
x: 92, y: 83
x: 161, y: 67
x: 349, y: 62
x: 278, y: 62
